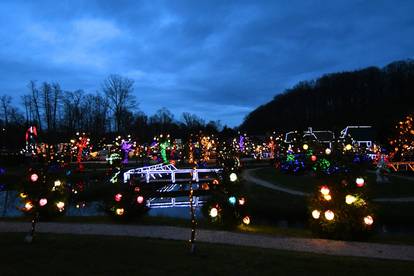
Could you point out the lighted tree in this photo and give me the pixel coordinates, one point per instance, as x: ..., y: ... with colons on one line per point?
x: 403, y: 142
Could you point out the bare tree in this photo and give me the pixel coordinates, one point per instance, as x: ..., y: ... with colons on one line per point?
x: 5, y: 102
x: 119, y: 91
x: 35, y: 101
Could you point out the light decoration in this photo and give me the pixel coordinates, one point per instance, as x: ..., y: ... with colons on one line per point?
x: 57, y: 183
x: 349, y: 199
x: 42, y: 202
x: 314, y: 158
x: 348, y: 147
x: 60, y: 205
x: 28, y: 206
x: 327, y: 197
x: 242, y: 201
x: 118, y: 197
x: 126, y: 147
x: 329, y: 215
x: 368, y: 220
x: 403, y: 143
x: 213, y: 212
x: 246, y: 220
x: 23, y: 195
x: 360, y: 182
x: 163, y: 146
x: 305, y: 147
x: 119, y: 211
x: 233, y: 177
x: 316, y: 214
x: 328, y: 151
x: 325, y: 190
x: 34, y: 177
x: 232, y: 200
x: 140, y: 199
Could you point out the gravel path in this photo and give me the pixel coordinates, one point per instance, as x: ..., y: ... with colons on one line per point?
x: 320, y: 246
x: 247, y: 175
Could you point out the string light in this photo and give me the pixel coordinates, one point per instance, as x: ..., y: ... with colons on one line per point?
x: 368, y: 220
x: 329, y: 215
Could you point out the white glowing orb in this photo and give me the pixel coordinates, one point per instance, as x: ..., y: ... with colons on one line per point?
x: 34, y: 177
x: 348, y: 147
x: 242, y: 201
x: 28, y: 206
x: 305, y: 147
x: 233, y: 177
x: 329, y: 215
x: 140, y: 199
x: 327, y: 197
x: 328, y: 151
x: 119, y: 211
x: 349, y: 199
x: 360, y: 181
x: 57, y: 183
x: 316, y: 214
x: 42, y: 202
x: 325, y: 190
x: 60, y: 205
x: 213, y: 212
x: 246, y: 220
x: 368, y: 220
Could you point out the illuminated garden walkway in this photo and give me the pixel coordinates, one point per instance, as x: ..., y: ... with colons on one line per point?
x: 249, y: 177
x: 319, y: 246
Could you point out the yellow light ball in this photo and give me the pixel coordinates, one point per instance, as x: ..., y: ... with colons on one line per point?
x: 325, y: 190
x: 119, y: 211
x: 57, y: 183
x: 329, y: 215
x: 316, y: 214
x: 28, y: 206
x: 348, y: 147
x: 60, y: 205
x: 349, y: 199
x: 327, y: 197
x: 305, y: 147
x: 246, y: 220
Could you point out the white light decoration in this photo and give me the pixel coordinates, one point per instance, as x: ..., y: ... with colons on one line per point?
x: 60, y: 205
x: 140, y: 199
x: 348, y: 147
x: 213, y: 212
x: 42, y: 202
x: 360, y: 181
x: 329, y: 215
x: 316, y: 214
x: 325, y: 190
x: 327, y: 197
x: 368, y: 220
x: 246, y: 220
x: 349, y: 199
x: 328, y: 151
x: 28, y: 206
x: 34, y: 177
x: 242, y: 201
x: 305, y: 147
x: 57, y: 183
x: 119, y: 211
x: 233, y: 177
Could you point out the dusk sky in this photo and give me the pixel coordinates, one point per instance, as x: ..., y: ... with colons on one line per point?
x: 217, y: 59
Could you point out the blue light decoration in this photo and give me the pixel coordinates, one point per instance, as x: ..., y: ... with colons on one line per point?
x: 241, y: 143
x: 232, y: 200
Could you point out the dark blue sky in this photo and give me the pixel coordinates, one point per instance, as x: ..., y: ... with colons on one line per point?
x: 217, y: 59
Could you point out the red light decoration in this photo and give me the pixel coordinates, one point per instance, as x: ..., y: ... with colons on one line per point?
x: 118, y: 197
x: 140, y: 199
x: 314, y: 158
x: 34, y: 177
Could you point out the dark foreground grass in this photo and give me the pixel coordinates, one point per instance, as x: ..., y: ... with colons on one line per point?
x: 97, y: 255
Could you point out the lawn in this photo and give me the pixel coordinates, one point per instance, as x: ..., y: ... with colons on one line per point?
x: 399, y: 187
x: 98, y: 255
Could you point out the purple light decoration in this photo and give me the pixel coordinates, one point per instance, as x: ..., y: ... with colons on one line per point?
x: 241, y: 143
x: 126, y: 147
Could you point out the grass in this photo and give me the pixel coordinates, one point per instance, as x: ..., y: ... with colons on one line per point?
x: 399, y: 187
x: 98, y: 255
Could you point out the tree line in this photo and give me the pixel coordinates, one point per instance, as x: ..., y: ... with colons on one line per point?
x: 113, y: 110
x: 371, y: 96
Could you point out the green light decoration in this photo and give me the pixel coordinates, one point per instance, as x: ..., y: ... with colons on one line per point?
x: 290, y: 157
x: 323, y: 164
x: 164, y: 146
x: 113, y: 157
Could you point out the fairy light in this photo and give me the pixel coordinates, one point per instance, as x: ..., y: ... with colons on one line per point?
x: 42, y: 202
x: 316, y: 214
x: 349, y: 199
x: 329, y: 215
x: 368, y: 220
x: 34, y: 177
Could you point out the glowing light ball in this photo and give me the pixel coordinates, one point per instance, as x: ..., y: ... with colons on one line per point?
x: 233, y: 177
x: 232, y: 200
x: 242, y: 201
x: 137, y: 189
x: 305, y: 147
x: 57, y: 183
x: 42, y: 202
x: 118, y: 197
x: 215, y: 182
x: 213, y: 212
x: 360, y: 182
x: 314, y: 158
x: 34, y: 177
x: 246, y: 220
x: 28, y: 206
x: 329, y: 215
x: 349, y: 199
x: 348, y: 147
x: 119, y: 211
x: 316, y: 214
x: 23, y: 195
x: 328, y: 151
x: 60, y: 205
x: 327, y: 197
x: 368, y: 220
x: 325, y: 190
x: 140, y: 199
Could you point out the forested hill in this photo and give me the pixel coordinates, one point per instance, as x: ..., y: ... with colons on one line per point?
x: 371, y: 96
